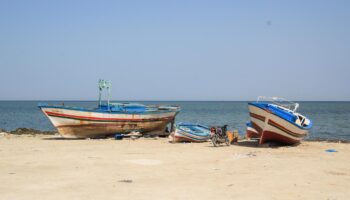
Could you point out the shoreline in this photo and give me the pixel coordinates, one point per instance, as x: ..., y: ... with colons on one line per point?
x: 30, y: 131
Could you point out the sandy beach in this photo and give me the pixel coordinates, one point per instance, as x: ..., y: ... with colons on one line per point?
x: 46, y: 167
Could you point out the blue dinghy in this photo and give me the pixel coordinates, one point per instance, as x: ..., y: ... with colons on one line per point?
x: 190, y: 132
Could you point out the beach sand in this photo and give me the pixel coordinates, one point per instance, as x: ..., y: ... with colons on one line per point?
x: 46, y: 167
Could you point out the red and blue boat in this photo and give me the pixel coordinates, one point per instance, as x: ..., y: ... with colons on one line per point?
x: 274, y: 119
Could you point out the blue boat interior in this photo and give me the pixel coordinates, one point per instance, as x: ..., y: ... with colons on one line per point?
x: 195, y: 129
x: 123, y: 107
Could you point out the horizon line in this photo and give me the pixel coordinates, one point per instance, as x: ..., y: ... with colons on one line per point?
x: 175, y: 100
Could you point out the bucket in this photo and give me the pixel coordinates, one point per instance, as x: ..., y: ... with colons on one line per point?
x: 235, y: 135
x: 230, y: 136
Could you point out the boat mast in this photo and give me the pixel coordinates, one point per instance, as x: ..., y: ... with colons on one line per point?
x: 99, y: 95
x: 101, y: 85
x: 109, y: 93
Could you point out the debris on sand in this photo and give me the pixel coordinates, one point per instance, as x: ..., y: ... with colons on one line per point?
x: 125, y: 181
x: 134, y: 135
x: 29, y: 131
x: 251, y: 154
x: 331, y: 150
x: 238, y: 156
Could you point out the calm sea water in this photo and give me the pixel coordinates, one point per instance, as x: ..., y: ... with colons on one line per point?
x: 331, y: 119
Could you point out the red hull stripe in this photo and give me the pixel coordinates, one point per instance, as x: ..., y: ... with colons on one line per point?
x: 269, y: 136
x: 53, y: 114
x: 259, y: 117
x: 251, y: 134
x: 94, y: 125
x: 272, y: 136
x: 282, y: 128
x: 257, y: 127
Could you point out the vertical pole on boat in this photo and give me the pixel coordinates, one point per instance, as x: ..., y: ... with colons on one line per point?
x: 99, y: 95
x: 109, y: 92
x: 99, y: 99
x: 101, y: 85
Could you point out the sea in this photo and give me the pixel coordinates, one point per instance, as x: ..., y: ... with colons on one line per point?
x: 331, y: 120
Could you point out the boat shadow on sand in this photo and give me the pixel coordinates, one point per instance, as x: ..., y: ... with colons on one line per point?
x: 61, y: 138
x: 109, y: 137
x: 254, y: 144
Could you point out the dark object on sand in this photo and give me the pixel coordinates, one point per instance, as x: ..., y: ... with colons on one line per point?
x: 331, y: 150
x: 29, y: 131
x: 219, y: 135
x: 125, y: 181
x: 118, y: 136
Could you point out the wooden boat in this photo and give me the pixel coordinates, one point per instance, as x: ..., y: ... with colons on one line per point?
x: 109, y: 119
x: 276, y: 120
x: 188, y: 132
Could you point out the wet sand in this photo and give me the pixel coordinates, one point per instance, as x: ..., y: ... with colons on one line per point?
x: 46, y: 167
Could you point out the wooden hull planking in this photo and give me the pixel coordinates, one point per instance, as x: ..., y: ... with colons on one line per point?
x: 72, y: 123
x: 272, y: 128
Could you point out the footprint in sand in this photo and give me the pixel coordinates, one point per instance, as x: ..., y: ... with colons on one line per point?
x: 148, y: 162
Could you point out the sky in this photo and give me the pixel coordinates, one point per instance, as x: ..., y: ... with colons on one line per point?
x: 175, y: 50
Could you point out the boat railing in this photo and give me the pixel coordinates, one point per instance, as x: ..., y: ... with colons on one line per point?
x: 279, y: 102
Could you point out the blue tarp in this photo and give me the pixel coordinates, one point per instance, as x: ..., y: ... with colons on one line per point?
x: 131, y: 108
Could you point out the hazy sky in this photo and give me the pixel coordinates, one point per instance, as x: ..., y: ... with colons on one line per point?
x: 175, y: 50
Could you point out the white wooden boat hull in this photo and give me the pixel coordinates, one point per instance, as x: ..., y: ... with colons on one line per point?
x: 72, y: 123
x: 271, y: 127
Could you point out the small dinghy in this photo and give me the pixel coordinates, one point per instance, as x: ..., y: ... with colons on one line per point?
x: 189, y: 132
